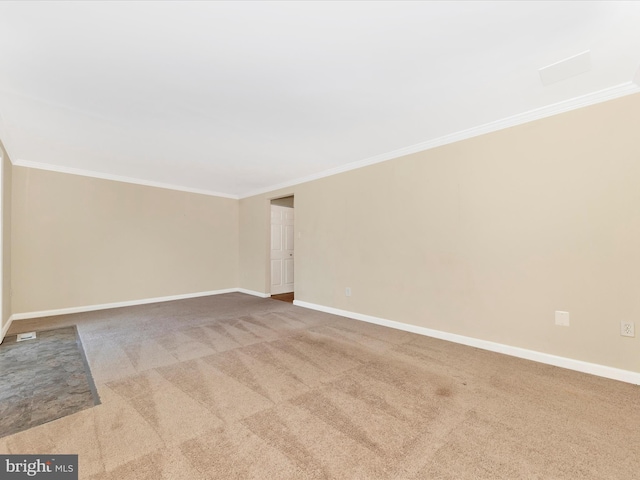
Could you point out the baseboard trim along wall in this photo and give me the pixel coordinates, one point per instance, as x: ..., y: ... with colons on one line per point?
x: 105, y: 306
x: 5, y: 329
x: 563, y: 362
x: 253, y: 292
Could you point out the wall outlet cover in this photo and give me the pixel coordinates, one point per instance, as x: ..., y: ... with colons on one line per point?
x: 627, y: 329
x: 562, y: 318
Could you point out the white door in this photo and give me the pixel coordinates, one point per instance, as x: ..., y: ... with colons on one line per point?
x: 281, y: 249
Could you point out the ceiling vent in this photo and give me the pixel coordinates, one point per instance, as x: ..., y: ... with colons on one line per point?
x: 567, y: 68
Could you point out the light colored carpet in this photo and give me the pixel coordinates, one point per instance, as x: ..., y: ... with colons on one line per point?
x: 234, y: 386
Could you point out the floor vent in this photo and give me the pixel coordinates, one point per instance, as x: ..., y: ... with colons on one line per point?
x: 26, y: 336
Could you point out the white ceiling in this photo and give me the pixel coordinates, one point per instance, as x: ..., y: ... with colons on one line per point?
x: 238, y: 97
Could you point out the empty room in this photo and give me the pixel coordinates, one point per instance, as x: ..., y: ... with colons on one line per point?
x: 319, y: 240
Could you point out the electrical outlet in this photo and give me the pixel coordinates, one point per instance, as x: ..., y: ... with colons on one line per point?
x: 627, y: 329
x: 562, y: 318
x: 347, y: 291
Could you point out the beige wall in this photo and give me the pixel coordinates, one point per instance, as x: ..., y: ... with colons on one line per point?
x: 81, y: 241
x: 254, y: 243
x: 485, y: 237
x: 6, y: 240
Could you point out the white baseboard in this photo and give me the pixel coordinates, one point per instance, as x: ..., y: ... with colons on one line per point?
x: 5, y: 329
x: 253, y: 292
x: 105, y: 306
x: 569, y: 363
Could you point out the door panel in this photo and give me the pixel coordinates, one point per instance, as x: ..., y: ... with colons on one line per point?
x: 276, y: 237
x: 276, y: 272
x: 282, y: 258
x: 288, y: 271
x: 288, y: 236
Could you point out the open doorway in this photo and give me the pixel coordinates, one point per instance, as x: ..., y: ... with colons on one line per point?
x: 282, y: 249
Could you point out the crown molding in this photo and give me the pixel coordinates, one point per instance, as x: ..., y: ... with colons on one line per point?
x: 117, y: 178
x: 611, y: 93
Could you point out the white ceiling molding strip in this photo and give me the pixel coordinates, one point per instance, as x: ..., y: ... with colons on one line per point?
x: 611, y: 93
x: 627, y: 88
x: 116, y: 178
